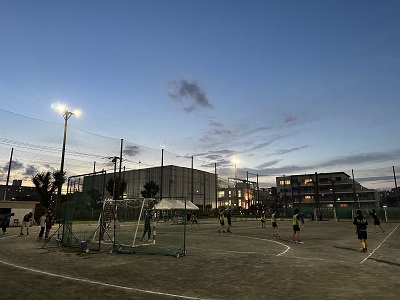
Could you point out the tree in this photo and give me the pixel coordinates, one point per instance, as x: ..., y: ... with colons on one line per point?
x: 150, y: 189
x: 118, y: 190
x: 46, y: 183
x: 95, y: 198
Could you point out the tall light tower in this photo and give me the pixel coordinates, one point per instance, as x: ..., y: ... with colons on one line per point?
x: 66, y: 115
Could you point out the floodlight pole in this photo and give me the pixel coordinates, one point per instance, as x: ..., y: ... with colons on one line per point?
x: 66, y: 114
x: 8, y: 175
x: 395, y: 186
x: 236, y: 188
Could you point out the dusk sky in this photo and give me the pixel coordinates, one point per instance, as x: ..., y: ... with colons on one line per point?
x: 284, y: 87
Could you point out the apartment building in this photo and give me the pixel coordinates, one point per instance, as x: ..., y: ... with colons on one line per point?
x: 336, y: 189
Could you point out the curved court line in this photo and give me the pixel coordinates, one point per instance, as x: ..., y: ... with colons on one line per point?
x: 233, y: 251
x: 373, y: 251
x: 320, y: 259
x: 255, y: 238
x: 102, y: 283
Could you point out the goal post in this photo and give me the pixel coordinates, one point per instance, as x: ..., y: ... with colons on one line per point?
x: 325, y: 213
x: 121, y: 223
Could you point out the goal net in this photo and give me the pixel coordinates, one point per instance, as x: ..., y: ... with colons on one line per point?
x: 325, y: 214
x: 91, y: 221
x: 126, y: 223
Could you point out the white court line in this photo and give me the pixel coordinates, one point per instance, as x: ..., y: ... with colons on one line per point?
x: 9, y: 236
x: 101, y: 283
x: 379, y: 245
x: 233, y: 251
x: 319, y: 259
x: 255, y: 238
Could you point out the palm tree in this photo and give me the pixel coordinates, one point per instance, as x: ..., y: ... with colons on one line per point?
x: 46, y: 183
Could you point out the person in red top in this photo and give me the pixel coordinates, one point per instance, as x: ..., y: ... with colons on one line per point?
x: 49, y: 224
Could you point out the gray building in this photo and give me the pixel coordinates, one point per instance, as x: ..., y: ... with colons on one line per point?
x: 174, y: 182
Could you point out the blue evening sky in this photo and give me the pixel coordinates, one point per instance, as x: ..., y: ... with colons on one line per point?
x: 284, y: 87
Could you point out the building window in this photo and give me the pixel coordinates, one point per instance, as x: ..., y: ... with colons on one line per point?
x: 309, y: 198
x: 344, y: 205
x: 283, y: 182
x: 308, y: 180
x: 240, y: 194
x: 221, y: 194
x: 230, y: 194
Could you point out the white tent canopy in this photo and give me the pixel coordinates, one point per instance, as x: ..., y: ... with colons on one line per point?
x: 170, y: 204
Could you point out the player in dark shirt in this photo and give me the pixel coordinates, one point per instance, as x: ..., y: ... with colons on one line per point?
x: 376, y: 221
x: 360, y: 224
x: 229, y: 219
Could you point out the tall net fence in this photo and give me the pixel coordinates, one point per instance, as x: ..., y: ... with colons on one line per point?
x: 93, y: 220
x: 197, y: 177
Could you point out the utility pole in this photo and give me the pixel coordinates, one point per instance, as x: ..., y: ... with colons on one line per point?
x: 216, y: 186
x: 396, y: 189
x: 8, y: 175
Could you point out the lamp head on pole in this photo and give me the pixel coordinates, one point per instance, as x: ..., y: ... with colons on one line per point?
x: 64, y: 111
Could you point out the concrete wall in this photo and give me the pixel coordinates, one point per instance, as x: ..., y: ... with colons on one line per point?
x: 19, y: 208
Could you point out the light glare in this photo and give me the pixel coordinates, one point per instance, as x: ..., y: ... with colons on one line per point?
x: 62, y: 108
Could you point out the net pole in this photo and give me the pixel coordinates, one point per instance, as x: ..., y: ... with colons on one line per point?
x: 154, y: 226
x: 137, y: 226
x: 100, y: 221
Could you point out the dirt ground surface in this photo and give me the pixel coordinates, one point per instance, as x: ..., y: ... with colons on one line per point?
x: 248, y: 263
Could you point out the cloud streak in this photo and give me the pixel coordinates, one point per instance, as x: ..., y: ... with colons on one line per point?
x: 131, y: 150
x: 191, y: 93
x: 285, y: 151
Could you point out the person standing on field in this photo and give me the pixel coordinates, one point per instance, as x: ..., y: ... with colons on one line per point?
x: 360, y: 224
x: 147, y: 228
x: 274, y: 223
x: 229, y: 219
x: 221, y: 217
x: 42, y: 224
x: 263, y: 219
x: 5, y: 221
x: 376, y: 221
x: 49, y: 224
x: 26, y: 222
x: 296, y: 220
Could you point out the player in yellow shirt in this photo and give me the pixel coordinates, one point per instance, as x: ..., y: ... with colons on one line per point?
x: 297, y: 221
x: 274, y: 223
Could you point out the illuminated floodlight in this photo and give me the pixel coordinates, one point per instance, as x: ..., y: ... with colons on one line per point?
x: 62, y: 109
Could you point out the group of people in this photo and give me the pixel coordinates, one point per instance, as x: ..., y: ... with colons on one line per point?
x: 274, y: 222
x: 221, y: 218
x: 359, y: 221
x: 46, y: 221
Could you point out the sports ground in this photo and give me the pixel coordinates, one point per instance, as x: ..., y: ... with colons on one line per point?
x: 248, y: 263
